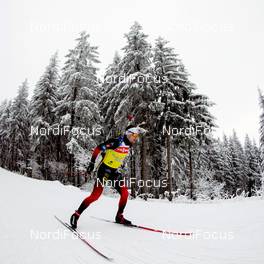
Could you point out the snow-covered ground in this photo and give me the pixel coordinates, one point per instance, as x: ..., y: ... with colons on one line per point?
x: 224, y: 231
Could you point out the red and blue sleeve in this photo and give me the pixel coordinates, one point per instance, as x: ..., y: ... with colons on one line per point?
x: 96, y: 152
x: 102, y: 147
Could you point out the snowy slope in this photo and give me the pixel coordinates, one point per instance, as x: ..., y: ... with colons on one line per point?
x: 225, y: 231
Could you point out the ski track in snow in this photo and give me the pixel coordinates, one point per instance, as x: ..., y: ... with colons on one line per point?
x: 29, y: 205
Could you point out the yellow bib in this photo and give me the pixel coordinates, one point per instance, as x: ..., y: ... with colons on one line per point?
x: 114, y: 157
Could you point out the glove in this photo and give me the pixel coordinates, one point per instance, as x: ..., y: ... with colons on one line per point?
x: 90, y: 167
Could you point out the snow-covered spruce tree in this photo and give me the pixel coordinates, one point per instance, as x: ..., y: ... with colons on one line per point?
x: 5, y: 115
x: 218, y: 160
x: 252, y: 166
x: 171, y: 91
x: 207, y: 187
x: 3, y: 107
x: 202, y: 122
x: 237, y: 167
x: 238, y: 162
x: 19, y: 131
x: 261, y: 138
x: 43, y: 103
x: 220, y: 164
x: 78, y: 110
x: 257, y: 161
x: 179, y: 108
x: 196, y: 122
x: 111, y: 79
x: 130, y: 90
x: 133, y: 92
x: 224, y: 167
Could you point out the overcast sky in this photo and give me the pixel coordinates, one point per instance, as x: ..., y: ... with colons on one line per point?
x: 220, y: 42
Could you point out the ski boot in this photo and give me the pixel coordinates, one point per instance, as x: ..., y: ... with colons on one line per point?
x: 120, y: 219
x: 74, y: 220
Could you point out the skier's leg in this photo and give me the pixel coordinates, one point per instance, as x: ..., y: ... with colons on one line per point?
x: 123, y: 191
x: 123, y: 199
x: 97, y: 191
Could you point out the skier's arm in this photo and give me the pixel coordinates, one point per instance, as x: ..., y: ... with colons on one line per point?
x: 110, y: 143
x: 96, y: 152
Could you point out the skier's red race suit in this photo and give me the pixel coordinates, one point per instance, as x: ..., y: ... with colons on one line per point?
x: 114, y: 152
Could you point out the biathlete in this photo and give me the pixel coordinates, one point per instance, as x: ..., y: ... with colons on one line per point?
x: 114, y: 151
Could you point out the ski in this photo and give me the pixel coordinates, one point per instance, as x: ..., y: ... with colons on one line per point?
x: 76, y: 233
x: 146, y: 228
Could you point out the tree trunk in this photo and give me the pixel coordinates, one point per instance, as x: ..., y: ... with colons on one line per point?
x: 71, y: 170
x: 144, y: 164
x: 133, y: 174
x: 169, y: 165
x: 58, y: 147
x: 190, y: 172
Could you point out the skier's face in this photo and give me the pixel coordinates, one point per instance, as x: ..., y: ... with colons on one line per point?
x: 133, y: 137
